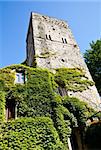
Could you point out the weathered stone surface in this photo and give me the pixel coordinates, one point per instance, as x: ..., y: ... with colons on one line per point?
x: 50, y: 42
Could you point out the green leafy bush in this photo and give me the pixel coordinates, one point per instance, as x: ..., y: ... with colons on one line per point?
x: 28, y: 133
x: 62, y: 119
x: 62, y: 126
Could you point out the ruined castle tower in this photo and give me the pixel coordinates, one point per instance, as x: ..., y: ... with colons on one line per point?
x: 50, y: 44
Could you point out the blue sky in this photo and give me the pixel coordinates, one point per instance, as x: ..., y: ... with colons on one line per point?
x: 83, y: 17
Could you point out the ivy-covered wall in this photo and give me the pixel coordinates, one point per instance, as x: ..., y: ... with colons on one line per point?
x: 30, y: 134
x: 7, y: 77
x: 34, y: 97
x: 39, y: 97
x: 73, y: 79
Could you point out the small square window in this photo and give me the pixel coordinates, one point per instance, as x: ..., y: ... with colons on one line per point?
x: 20, y: 78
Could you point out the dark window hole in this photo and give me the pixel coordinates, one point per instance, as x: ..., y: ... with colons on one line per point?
x: 62, y: 60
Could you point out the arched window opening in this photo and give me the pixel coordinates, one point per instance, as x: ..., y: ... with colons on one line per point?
x: 46, y: 37
x: 65, y: 41
x: 50, y: 37
x: 62, y: 40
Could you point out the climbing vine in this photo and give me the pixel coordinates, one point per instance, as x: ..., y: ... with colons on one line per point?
x: 73, y: 79
x: 32, y: 134
x: 79, y: 108
x: 39, y: 97
x: 2, y: 106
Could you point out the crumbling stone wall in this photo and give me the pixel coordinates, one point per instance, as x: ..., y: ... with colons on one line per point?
x: 50, y: 42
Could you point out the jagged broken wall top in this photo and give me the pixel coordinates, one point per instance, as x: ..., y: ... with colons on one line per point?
x: 52, y: 43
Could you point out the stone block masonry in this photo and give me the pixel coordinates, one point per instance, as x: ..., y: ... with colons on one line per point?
x: 50, y: 44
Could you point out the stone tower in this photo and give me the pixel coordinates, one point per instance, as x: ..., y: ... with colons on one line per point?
x: 50, y: 44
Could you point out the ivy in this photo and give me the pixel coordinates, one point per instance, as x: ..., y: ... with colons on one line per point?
x: 38, y: 98
x: 45, y: 55
x: 35, y: 95
x: 2, y: 106
x: 73, y: 79
x: 79, y: 109
x: 7, y: 78
x: 28, y: 133
x: 62, y: 119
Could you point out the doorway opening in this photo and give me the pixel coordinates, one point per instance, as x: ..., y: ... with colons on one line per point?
x: 10, y: 109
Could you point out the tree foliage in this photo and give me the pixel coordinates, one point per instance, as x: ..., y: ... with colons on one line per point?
x: 93, y: 60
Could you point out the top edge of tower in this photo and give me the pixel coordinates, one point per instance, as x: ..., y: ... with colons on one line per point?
x: 49, y: 19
